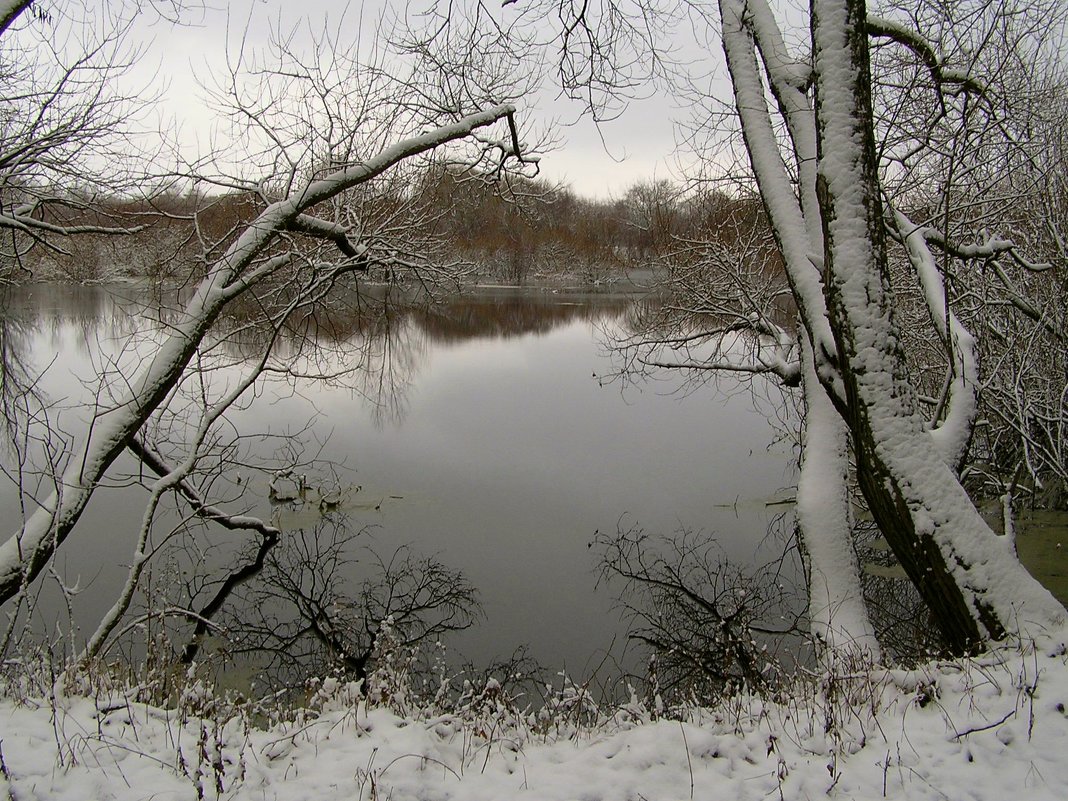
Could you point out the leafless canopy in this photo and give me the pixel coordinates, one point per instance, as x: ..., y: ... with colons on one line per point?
x: 316, y: 189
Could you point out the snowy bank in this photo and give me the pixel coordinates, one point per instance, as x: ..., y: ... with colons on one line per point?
x: 986, y: 728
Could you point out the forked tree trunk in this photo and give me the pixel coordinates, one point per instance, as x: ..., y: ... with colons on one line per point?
x: 969, y: 577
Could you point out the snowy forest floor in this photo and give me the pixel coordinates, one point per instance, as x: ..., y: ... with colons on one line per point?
x: 984, y: 728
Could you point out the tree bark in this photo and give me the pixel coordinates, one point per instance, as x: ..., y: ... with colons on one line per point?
x: 966, y: 574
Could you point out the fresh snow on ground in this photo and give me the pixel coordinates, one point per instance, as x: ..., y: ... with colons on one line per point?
x: 993, y: 727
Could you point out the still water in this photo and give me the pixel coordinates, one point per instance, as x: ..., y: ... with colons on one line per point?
x: 485, y: 432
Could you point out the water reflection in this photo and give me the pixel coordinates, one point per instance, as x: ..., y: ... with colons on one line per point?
x: 504, y: 314
x: 472, y: 431
x: 322, y: 600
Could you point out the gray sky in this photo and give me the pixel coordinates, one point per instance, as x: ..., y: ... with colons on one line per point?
x: 638, y: 145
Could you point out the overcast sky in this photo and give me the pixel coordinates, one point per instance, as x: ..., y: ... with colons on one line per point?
x: 596, y: 162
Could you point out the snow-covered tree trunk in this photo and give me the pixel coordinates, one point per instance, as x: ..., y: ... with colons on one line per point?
x: 839, y: 618
x: 968, y: 576
x: 838, y: 614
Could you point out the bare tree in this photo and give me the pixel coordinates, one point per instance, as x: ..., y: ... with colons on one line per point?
x: 654, y: 212
x: 841, y: 161
x: 322, y: 144
x: 73, y: 129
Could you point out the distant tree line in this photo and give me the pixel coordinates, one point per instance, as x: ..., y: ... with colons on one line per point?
x: 516, y: 230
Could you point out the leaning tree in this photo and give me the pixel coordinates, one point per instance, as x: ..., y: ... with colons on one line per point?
x: 324, y: 148
x: 833, y: 232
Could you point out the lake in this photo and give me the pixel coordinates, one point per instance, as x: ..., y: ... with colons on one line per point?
x: 486, y: 431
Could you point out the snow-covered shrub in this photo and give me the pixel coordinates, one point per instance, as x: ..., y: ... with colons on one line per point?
x: 390, y: 683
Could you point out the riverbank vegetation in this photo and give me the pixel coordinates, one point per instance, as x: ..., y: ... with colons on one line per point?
x: 517, y: 231
x: 977, y: 728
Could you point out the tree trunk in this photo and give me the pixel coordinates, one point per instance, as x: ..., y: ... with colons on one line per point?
x: 968, y: 576
x: 837, y: 612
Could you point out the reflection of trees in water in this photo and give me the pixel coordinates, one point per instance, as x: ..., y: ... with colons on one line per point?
x: 91, y: 314
x: 19, y: 395
x: 375, y: 341
x: 317, y: 600
x: 361, y: 341
x: 36, y: 322
x: 372, y: 342
x: 512, y: 315
x: 708, y: 625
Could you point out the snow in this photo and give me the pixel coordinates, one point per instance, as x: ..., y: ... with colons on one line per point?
x: 954, y: 433
x: 987, y: 728
x: 839, y: 617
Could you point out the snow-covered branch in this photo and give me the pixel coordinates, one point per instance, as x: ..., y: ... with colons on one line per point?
x: 26, y: 552
x: 36, y: 228
x: 989, y: 250
x: 338, y: 234
x: 881, y: 28
x: 954, y: 432
x: 794, y: 232
x: 787, y: 373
